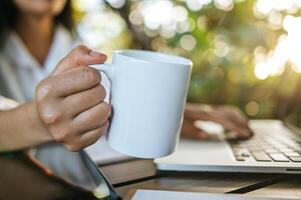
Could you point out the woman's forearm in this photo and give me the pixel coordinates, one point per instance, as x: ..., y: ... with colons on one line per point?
x: 21, y: 128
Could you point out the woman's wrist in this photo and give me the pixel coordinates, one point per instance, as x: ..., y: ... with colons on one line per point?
x: 21, y: 128
x: 36, y: 123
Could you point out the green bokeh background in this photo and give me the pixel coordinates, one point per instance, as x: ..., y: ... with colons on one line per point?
x: 216, y: 78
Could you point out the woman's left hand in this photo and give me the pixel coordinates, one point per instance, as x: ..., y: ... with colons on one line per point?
x: 229, y: 117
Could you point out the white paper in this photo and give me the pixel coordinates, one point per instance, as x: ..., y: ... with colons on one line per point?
x: 168, y: 195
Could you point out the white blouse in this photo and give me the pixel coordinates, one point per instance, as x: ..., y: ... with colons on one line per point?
x: 27, y: 69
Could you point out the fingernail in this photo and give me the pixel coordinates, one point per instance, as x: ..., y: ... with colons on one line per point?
x: 96, y: 54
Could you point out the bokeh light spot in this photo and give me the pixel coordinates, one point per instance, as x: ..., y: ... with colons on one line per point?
x: 225, y: 5
x: 252, y: 108
x: 196, y: 5
x: 116, y: 3
x: 188, y: 42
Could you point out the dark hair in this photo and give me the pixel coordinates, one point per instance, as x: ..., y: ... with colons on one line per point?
x: 9, y: 13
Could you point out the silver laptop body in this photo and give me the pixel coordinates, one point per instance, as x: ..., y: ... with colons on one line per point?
x: 275, y: 148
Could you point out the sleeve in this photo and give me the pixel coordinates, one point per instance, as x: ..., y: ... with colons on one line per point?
x: 6, y: 104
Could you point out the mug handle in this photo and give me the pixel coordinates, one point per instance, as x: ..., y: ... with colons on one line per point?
x: 106, y: 68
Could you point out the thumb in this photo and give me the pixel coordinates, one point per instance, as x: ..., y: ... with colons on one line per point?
x: 79, y: 56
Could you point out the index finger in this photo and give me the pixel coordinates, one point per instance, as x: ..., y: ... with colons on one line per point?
x: 79, y: 56
x: 72, y: 81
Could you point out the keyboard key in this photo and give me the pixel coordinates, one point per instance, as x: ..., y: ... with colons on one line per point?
x: 245, y: 154
x: 271, y: 151
x: 295, y: 146
x: 279, y: 146
x: 250, y: 146
x: 292, y: 144
x: 241, y: 152
x: 261, y: 156
x: 295, y: 158
x: 279, y: 157
x: 285, y: 150
x: 255, y: 149
x: 289, y: 154
x: 268, y: 146
x: 236, y: 150
x: 239, y: 158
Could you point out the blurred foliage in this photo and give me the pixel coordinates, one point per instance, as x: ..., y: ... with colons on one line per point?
x: 225, y: 39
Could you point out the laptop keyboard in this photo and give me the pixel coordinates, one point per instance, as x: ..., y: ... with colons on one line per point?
x: 269, y: 146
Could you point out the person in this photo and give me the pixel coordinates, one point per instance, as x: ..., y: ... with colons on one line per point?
x: 67, y: 105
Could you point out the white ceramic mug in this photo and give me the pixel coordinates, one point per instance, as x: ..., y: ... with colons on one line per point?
x: 148, y: 96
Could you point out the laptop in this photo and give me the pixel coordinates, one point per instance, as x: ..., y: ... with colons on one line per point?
x: 274, y: 148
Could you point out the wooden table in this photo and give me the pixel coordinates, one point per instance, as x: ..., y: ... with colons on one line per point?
x: 128, y: 176
x: 20, y: 178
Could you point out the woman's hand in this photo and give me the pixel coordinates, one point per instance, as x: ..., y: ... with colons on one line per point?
x: 70, y: 101
x: 229, y: 117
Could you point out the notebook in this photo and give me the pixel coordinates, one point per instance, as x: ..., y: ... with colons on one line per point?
x: 175, y: 195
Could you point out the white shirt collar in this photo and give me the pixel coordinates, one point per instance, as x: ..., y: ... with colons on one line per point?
x: 24, y: 67
x: 19, y: 55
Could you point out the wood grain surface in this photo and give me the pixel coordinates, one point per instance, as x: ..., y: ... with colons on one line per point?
x: 141, y: 174
x: 288, y: 189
